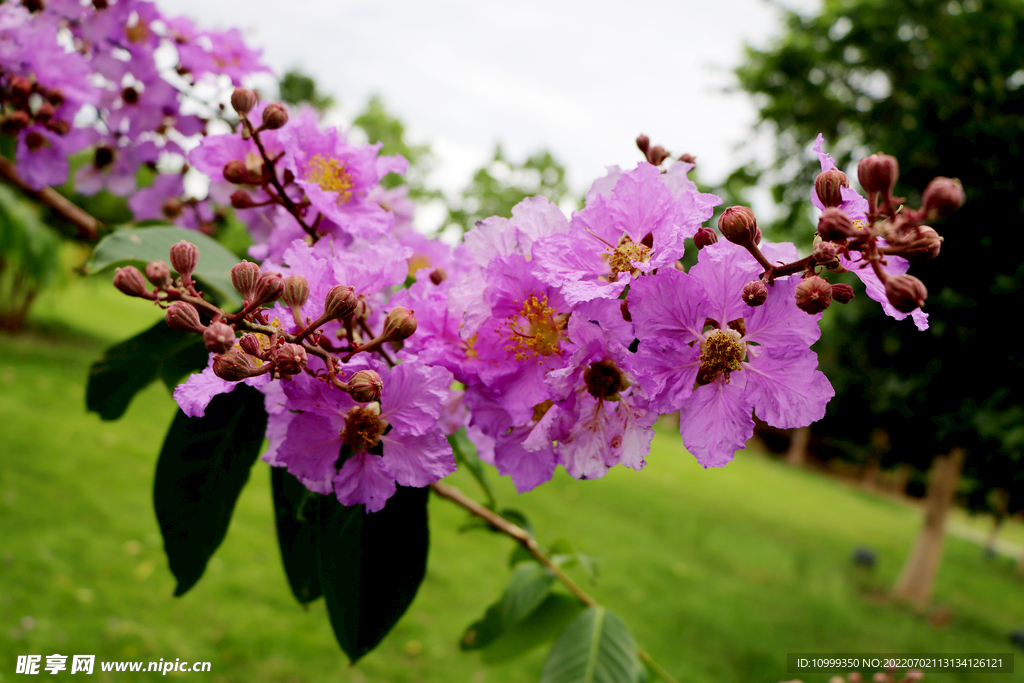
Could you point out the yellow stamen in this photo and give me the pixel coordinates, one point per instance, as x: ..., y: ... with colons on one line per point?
x: 721, y: 352
x: 363, y: 427
x: 537, y: 330
x: 621, y: 258
x: 331, y: 176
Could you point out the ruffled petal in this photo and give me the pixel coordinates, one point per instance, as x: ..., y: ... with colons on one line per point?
x: 715, y: 421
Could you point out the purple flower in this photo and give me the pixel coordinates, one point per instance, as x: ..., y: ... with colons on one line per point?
x: 148, y: 203
x: 746, y: 358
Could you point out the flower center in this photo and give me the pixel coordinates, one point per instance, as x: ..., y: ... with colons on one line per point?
x: 536, y: 330
x: 604, y: 380
x: 621, y: 258
x: 363, y: 427
x: 331, y: 176
x: 541, y: 409
x: 721, y: 352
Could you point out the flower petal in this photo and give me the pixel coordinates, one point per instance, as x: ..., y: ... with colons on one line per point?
x: 715, y: 421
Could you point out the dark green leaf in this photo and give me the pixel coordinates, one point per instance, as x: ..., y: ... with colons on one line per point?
x: 520, y: 554
x: 543, y: 624
x: 296, y: 534
x: 371, y: 565
x: 203, y: 466
x: 127, y: 368
x: 466, y: 456
x: 596, y: 647
x: 139, y: 246
x: 529, y: 585
x: 485, y: 631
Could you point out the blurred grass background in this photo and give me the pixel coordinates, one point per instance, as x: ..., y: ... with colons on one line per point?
x: 719, y: 573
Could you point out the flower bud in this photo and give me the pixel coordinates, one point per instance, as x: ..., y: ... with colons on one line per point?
x: 919, y: 244
x: 295, y: 292
x: 656, y: 155
x: 290, y: 359
x: 235, y: 172
x: 129, y: 281
x: 842, y: 293
x: 250, y: 343
x: 240, y: 199
x: 183, y: 317
x: 159, y: 273
x: 942, y: 197
x: 184, y: 256
x: 643, y: 143
x: 905, y: 292
x: 234, y: 366
x: 274, y: 116
x: 739, y: 226
x: 341, y: 302
x: 400, y: 324
x: 244, y: 277
x: 243, y: 100
x: 878, y: 173
x: 755, y: 293
x: 438, y: 275
x: 45, y: 112
x: 268, y: 288
x: 835, y: 226
x: 219, y: 338
x: 826, y: 252
x: 828, y: 186
x: 705, y: 237
x: 14, y: 123
x: 59, y: 127
x: 172, y: 207
x: 813, y: 295
x: 365, y: 386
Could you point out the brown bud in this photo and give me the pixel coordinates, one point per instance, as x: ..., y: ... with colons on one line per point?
x: 234, y: 366
x: 826, y: 252
x: 842, y: 293
x: 59, y: 127
x: 813, y: 295
x: 341, y: 302
x: 365, y: 386
x: 942, y: 197
x: 438, y: 275
x: 705, y: 237
x: 688, y: 158
x: 243, y: 100
x: 878, y: 173
x: 835, y: 226
x: 290, y: 359
x: 399, y: 324
x: 905, y: 292
x: 183, y: 317
x: 21, y: 86
x: 45, y: 112
x: 184, y: 256
x: 656, y: 155
x: 918, y: 244
x: 240, y: 199
x: 159, y: 273
x: 55, y: 97
x: 129, y: 281
x: 295, y: 292
x: 853, y: 677
x: 172, y: 207
x: 244, y: 277
x: 755, y: 293
x: 250, y: 343
x: 235, y: 172
x: 828, y: 186
x: 274, y: 116
x: 14, y: 123
x: 268, y: 288
x: 219, y: 338
x: 643, y: 143
x: 739, y: 226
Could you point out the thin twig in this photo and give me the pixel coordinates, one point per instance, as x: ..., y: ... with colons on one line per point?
x: 88, y: 226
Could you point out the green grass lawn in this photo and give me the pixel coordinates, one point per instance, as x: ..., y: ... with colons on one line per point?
x: 719, y: 573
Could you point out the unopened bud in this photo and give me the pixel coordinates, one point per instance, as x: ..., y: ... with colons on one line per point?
x: 843, y: 293
x: 688, y: 158
x: 755, y: 293
x: 219, y: 338
x: 184, y: 256
x: 918, y: 244
x: 829, y: 187
x: 295, y: 292
x: 159, y: 273
x: 244, y: 277
x: 853, y: 677
x: 835, y: 226
x: 274, y: 116
x: 400, y: 324
x: 905, y: 292
x: 739, y: 226
x: 183, y: 317
x: 129, y: 281
x: 59, y: 127
x: 656, y: 155
x: 341, y: 302
x: 14, y: 123
x: 705, y: 237
x: 235, y: 172
x: 240, y: 199
x: 45, y: 112
x: 234, y: 366
x: 878, y: 173
x: 268, y: 288
x: 826, y: 252
x: 250, y: 343
x: 643, y: 143
x: 290, y: 359
x: 243, y: 100
x: 813, y: 295
x: 365, y: 386
x: 172, y: 207
x: 942, y: 197
x: 21, y: 85
x: 438, y: 276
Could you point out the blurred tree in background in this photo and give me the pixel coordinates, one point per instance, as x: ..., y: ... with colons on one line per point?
x: 939, y: 85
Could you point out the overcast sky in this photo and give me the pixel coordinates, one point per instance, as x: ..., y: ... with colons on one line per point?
x: 582, y: 79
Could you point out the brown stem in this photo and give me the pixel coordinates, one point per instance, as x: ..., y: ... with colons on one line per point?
x: 285, y: 199
x: 88, y: 226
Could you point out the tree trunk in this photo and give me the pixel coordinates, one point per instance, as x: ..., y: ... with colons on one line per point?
x: 798, y: 440
x: 917, y: 579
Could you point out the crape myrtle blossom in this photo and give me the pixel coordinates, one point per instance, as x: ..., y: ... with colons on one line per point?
x: 707, y: 354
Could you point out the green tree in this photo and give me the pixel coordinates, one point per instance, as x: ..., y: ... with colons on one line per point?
x: 297, y: 88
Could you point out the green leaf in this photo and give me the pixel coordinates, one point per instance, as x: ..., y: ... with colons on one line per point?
x: 541, y: 626
x: 203, y: 467
x: 371, y: 565
x: 127, y: 368
x: 466, y: 456
x: 520, y: 554
x: 139, y: 246
x: 296, y: 534
x: 526, y: 590
x: 596, y: 647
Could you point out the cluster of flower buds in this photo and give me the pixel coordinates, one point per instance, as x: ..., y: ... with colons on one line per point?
x: 24, y: 102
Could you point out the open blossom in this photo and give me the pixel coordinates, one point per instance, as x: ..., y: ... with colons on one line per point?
x: 707, y: 354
